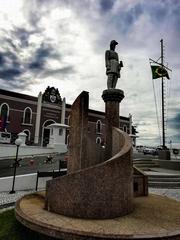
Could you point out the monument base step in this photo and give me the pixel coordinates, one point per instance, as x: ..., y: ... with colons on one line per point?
x: 145, y: 222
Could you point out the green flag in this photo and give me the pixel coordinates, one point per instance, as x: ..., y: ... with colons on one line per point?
x: 158, y: 71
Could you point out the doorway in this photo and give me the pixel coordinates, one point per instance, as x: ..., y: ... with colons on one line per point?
x: 46, y: 132
x: 46, y: 137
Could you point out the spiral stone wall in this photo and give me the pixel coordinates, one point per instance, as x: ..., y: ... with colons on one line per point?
x: 101, y: 191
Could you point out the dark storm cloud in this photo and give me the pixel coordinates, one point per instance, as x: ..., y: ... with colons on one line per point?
x: 13, y: 84
x: 33, y: 12
x: 176, y: 19
x: 158, y: 11
x: 106, y: 5
x: 8, y: 57
x: 2, y: 59
x: 10, y: 73
x: 13, y: 67
x: 8, y: 38
x: 59, y: 72
x: 64, y: 71
x: 41, y: 56
x: 39, y: 59
x: 23, y: 35
x: 10, y: 67
x: 34, y: 18
x: 124, y: 20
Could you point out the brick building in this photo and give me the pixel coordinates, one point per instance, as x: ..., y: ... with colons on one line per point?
x: 32, y: 115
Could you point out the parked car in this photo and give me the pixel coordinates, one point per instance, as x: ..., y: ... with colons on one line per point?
x: 151, y: 151
x: 160, y: 147
x: 140, y: 148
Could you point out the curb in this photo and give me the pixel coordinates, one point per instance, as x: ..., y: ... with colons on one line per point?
x: 6, y: 205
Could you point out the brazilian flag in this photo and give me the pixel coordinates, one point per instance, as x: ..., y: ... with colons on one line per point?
x: 158, y: 71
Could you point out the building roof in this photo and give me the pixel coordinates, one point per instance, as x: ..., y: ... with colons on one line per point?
x: 17, y: 95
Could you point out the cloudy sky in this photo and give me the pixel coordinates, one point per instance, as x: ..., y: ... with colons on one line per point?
x: 61, y: 43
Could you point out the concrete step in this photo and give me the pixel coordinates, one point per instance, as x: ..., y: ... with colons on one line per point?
x: 146, y: 165
x: 164, y: 176
x: 143, y: 161
x: 163, y: 179
x: 164, y: 184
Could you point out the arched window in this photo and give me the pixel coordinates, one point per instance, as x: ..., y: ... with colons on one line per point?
x: 60, y: 131
x: 4, y: 110
x: 28, y: 133
x: 98, y: 126
x: 27, y: 117
x: 98, y: 140
x: 4, y: 116
x: 125, y: 128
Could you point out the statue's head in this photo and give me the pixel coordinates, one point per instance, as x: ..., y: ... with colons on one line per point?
x: 113, y: 44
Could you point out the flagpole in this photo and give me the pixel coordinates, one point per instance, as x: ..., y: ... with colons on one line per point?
x: 162, y: 85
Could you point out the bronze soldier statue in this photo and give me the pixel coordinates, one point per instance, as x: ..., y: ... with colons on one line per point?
x: 113, y: 66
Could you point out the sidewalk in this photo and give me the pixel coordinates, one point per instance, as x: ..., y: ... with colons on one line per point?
x: 170, y: 193
x: 7, y: 199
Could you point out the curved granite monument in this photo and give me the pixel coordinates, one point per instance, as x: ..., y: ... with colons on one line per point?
x: 104, y: 190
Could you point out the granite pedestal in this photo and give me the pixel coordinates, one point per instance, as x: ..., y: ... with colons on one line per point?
x: 112, y: 99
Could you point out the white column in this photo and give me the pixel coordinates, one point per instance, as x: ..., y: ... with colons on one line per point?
x: 63, y: 111
x: 130, y: 124
x: 38, y: 118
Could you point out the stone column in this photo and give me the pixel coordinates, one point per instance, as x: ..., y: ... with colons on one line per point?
x: 38, y: 118
x: 112, y: 98
x: 130, y: 124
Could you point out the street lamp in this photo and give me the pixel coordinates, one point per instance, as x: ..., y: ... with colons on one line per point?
x: 18, y: 142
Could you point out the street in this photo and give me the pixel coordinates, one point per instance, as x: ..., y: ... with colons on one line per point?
x: 140, y: 156
x: 29, y: 165
x: 32, y: 165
